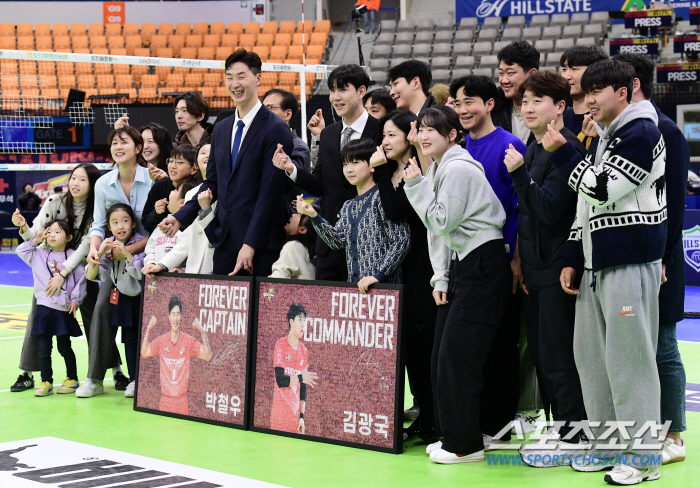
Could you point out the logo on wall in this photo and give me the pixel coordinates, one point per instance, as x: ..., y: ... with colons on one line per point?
x: 691, y: 247
x: 488, y: 8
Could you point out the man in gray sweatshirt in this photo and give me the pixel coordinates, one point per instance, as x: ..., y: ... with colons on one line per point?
x: 471, y: 282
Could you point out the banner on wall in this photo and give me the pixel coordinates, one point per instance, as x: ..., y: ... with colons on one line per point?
x: 345, y: 346
x: 113, y: 13
x: 677, y: 72
x: 506, y: 8
x: 636, y: 45
x: 193, y: 348
x: 686, y: 44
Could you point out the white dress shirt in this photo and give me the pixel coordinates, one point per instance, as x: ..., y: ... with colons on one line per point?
x: 247, y: 120
x: 358, y: 127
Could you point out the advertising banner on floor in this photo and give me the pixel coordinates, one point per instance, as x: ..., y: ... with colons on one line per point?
x: 677, y: 72
x: 193, y: 351
x: 686, y: 44
x: 328, y: 365
x: 635, y: 45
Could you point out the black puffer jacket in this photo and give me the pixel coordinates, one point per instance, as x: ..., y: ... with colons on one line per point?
x: 547, y: 209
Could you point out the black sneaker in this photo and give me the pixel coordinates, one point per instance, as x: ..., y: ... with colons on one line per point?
x: 120, y: 381
x: 24, y: 382
x: 411, y: 414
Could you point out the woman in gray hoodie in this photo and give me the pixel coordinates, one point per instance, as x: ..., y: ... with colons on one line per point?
x: 471, y: 284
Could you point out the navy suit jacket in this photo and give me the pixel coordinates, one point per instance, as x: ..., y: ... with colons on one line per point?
x: 251, y: 200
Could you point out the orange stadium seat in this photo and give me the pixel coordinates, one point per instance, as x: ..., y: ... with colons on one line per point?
x: 183, y: 29
x: 164, y: 52
x: 7, y: 30
x: 96, y: 30
x: 86, y: 81
x: 200, y: 28
x: 163, y: 71
x: 48, y: 81
x: 116, y: 42
x: 208, y: 93
x: 229, y: 41
x: 142, y: 52
x: 46, y: 68
x: 158, y: 41
x: 66, y: 81
x: 222, y: 92
x: 123, y: 82
x: 218, y: 28
x: 270, y: 77
x: 7, y: 42
x: 28, y: 80
x: 316, y: 52
x: 278, y: 53
x: 113, y: 30
x: 8, y: 66
x: 298, y: 37
x: 212, y: 40
x: 270, y: 27
x: 193, y: 40
x: 263, y: 52
x: 246, y: 41
x: 98, y: 42
x: 60, y: 30
x: 283, y: 40
x: 176, y: 42
x: 50, y: 93
x: 193, y: 80
x: 44, y: 43
x: 166, y: 29
x: 25, y: 43
x: 133, y: 43
x: 148, y: 30
x: 41, y: 30
x: 295, y: 52
x: 323, y: 26
x: 235, y: 28
x: 287, y: 27
x: 104, y: 81
x: 319, y: 39
x: 307, y: 26
x: 292, y: 61
x: 62, y: 42
x: 78, y: 30
x: 131, y: 29
x: 205, y: 53
x: 148, y: 94
x: 212, y: 80
x: 265, y: 40
x: 28, y: 68
x: 181, y: 70
x: 149, y: 81
x: 188, y: 53
x: 80, y: 42
x: 252, y: 28
x: 102, y: 68
x: 30, y: 91
x: 24, y: 30
x: 223, y: 52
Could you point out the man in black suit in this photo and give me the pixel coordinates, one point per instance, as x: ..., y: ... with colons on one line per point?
x: 672, y: 292
x: 248, y: 229
x: 348, y: 84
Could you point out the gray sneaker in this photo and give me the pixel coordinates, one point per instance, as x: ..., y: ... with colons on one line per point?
x: 90, y: 388
x: 629, y: 475
x: 129, y: 392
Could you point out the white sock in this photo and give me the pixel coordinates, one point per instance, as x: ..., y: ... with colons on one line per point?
x: 114, y: 370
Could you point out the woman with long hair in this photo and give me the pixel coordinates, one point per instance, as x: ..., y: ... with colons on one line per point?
x: 390, y: 160
x: 76, y: 207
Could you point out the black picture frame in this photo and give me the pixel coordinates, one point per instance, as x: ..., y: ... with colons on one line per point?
x: 252, y: 311
x: 397, y: 447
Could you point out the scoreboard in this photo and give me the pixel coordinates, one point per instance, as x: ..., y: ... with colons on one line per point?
x: 63, y: 133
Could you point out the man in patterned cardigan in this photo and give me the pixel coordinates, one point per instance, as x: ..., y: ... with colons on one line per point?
x: 374, y: 246
x: 617, y: 241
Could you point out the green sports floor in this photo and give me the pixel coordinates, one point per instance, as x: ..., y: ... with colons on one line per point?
x: 109, y: 421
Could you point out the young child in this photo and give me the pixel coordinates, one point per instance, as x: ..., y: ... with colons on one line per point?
x: 616, y: 244
x: 374, y: 246
x: 182, y: 165
x: 124, y: 276
x: 547, y: 210
x: 471, y: 283
x: 158, y: 243
x: 55, y: 314
x: 298, y: 256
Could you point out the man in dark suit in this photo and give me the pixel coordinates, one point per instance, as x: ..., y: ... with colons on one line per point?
x: 348, y: 84
x: 672, y: 292
x: 248, y: 229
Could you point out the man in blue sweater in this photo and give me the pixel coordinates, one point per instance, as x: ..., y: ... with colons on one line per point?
x: 547, y: 210
x: 616, y: 242
x: 672, y: 294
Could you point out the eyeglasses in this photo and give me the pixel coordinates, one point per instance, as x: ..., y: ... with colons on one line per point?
x: 272, y: 108
x: 176, y: 162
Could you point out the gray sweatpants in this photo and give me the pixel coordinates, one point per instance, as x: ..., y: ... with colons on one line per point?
x: 102, y: 347
x: 615, y: 339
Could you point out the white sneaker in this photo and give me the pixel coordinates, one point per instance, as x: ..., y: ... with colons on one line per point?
x: 629, y: 475
x: 528, y: 420
x: 129, y: 392
x: 672, y: 452
x: 90, y: 388
x: 442, y: 456
x: 491, y: 444
x: 589, y: 463
x: 433, y: 447
x: 549, y: 455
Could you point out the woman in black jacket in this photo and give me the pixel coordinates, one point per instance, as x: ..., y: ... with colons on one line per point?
x: 419, y: 310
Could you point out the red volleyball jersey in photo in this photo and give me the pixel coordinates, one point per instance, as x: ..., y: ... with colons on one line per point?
x: 285, y: 401
x: 175, y: 362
